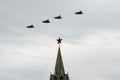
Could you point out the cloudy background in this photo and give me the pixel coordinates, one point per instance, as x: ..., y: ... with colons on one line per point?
x: 90, y: 46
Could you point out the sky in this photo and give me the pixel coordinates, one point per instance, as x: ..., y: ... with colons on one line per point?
x: 90, y: 46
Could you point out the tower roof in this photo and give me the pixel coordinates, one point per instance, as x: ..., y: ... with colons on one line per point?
x: 59, y: 67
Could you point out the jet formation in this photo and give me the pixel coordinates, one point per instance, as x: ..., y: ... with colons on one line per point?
x: 56, y: 17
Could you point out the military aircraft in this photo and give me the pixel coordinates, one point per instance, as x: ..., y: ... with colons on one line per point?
x: 80, y: 12
x: 31, y: 26
x: 58, y: 17
x: 46, y: 21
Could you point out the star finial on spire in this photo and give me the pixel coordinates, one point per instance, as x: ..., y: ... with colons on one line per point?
x: 59, y: 40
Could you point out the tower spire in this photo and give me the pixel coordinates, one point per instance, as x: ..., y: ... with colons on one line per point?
x: 59, y: 72
x: 59, y: 67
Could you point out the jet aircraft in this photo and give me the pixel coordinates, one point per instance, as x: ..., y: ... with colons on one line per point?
x: 46, y: 21
x: 31, y: 26
x: 79, y: 13
x: 58, y: 17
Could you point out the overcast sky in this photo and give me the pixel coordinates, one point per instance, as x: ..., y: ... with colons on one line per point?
x: 90, y: 46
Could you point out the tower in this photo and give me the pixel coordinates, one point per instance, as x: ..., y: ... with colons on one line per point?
x: 59, y: 72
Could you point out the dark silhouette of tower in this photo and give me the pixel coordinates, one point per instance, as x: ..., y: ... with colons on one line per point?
x: 59, y: 72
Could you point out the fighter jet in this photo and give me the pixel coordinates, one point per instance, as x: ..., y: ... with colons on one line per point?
x: 80, y: 12
x: 46, y: 21
x: 31, y: 26
x: 58, y: 17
